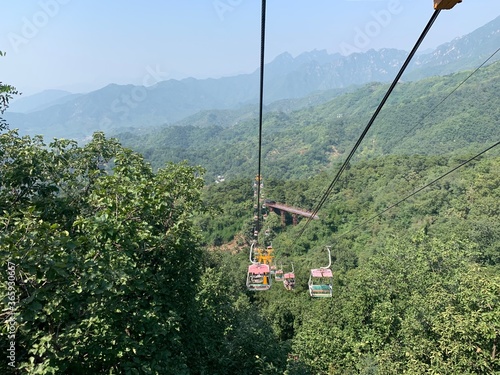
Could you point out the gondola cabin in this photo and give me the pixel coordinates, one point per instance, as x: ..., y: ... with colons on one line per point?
x: 273, y: 270
x: 258, y: 277
x: 289, y: 280
x: 278, y: 275
x: 320, y: 282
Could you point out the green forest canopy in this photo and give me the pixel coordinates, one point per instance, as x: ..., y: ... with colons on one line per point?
x: 303, y: 143
x: 118, y: 268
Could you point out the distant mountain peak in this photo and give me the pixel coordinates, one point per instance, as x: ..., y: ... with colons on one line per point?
x: 284, y: 56
x: 465, y: 52
x: 38, y: 101
x: 286, y: 77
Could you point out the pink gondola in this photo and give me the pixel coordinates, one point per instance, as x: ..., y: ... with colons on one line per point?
x: 321, y: 279
x: 258, y: 277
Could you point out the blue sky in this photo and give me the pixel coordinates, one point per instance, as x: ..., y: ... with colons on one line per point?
x: 81, y: 45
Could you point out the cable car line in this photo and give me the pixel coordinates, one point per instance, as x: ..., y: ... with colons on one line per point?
x: 418, y: 191
x: 261, y: 104
x: 259, y: 272
x: 373, y: 118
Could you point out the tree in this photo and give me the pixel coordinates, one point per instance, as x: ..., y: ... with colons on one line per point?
x: 418, y: 306
x: 106, y: 256
x: 6, y: 92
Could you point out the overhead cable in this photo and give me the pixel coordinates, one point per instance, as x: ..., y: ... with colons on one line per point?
x: 372, y: 120
x: 419, y: 190
x: 261, y: 105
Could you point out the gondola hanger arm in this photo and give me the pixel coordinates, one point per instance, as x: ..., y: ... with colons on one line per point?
x: 445, y: 4
x: 329, y: 258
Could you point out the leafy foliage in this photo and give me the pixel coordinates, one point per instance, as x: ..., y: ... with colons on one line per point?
x: 122, y: 268
x: 6, y: 92
x: 106, y: 255
x: 414, y: 289
x: 303, y: 143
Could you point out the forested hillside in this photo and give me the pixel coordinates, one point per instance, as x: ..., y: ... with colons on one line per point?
x: 112, y: 275
x: 120, y: 262
x: 305, y: 142
x: 415, y: 289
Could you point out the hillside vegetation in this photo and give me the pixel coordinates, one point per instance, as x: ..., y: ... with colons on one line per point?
x: 303, y: 143
x: 415, y: 289
x: 113, y: 275
x: 113, y: 264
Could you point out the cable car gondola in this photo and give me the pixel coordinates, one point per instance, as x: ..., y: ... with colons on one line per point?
x: 273, y: 270
x: 289, y: 280
x: 278, y: 275
x: 321, y: 279
x: 258, y: 277
x: 259, y: 274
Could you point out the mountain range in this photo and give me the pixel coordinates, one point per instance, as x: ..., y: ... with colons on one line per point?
x: 291, y: 80
x: 446, y: 115
x: 42, y: 100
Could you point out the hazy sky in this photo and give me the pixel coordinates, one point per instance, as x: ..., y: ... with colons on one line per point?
x: 82, y: 45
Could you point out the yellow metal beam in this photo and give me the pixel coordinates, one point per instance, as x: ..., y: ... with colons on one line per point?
x: 265, y: 256
x: 445, y: 4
